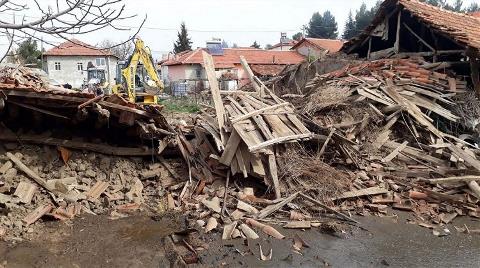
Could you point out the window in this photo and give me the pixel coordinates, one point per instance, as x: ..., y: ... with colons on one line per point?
x: 198, y: 73
x: 100, y: 62
x: 58, y: 67
x: 80, y: 66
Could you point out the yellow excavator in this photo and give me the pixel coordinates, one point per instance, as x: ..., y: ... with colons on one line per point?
x: 138, y: 87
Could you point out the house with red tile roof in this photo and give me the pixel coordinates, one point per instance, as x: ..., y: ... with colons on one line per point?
x: 284, y: 45
x: 188, y: 66
x: 316, y: 47
x: 68, y: 62
x: 410, y: 28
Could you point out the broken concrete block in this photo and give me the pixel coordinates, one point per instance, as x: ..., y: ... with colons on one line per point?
x: 25, y: 192
x: 6, y: 166
x: 10, y: 174
x: 90, y: 173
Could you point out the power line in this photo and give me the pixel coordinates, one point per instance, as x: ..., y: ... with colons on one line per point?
x: 190, y: 30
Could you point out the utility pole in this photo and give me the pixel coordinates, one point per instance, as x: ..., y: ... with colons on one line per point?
x: 304, y: 28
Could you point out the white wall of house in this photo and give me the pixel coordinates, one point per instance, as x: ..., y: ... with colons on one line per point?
x: 73, y: 69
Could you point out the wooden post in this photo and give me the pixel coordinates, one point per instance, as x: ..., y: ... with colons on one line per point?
x: 214, y: 88
x: 397, y: 40
x: 475, y: 69
x: 369, y: 47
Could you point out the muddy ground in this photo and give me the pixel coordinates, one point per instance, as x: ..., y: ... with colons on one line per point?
x: 139, y: 241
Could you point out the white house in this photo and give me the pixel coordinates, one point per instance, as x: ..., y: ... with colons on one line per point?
x: 68, y: 62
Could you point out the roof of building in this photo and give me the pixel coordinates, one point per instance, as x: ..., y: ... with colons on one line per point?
x: 332, y: 45
x: 75, y: 47
x: 461, y: 27
x: 289, y: 43
x: 476, y: 14
x: 231, y: 57
x: 267, y: 70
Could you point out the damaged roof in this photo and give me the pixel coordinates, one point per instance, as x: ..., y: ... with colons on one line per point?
x: 463, y: 28
x: 332, y: 45
x: 231, y: 57
x: 75, y: 47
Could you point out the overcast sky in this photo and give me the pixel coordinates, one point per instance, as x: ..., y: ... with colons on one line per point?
x: 236, y: 21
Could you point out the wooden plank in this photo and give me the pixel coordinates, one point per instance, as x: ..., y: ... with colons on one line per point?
x: 230, y: 148
x: 416, y: 153
x: 272, y: 166
x: 279, y: 140
x: 395, y: 152
x: 78, y: 145
x: 250, y: 75
x: 215, y: 90
x: 465, y: 156
x: 43, y: 111
x: 44, y: 95
x: 411, y: 108
x: 396, y: 47
x: 32, y: 174
x: 362, y: 192
x: 341, y: 215
x: 418, y: 37
x: 262, y: 125
x: 258, y: 112
x: 257, y: 165
x: 241, y: 163
x: 455, y: 179
x: 274, y: 121
x: 275, y: 207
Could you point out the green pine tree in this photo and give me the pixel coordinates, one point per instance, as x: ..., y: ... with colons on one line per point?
x: 350, y: 27
x: 323, y: 26
x: 298, y: 36
x: 183, y: 42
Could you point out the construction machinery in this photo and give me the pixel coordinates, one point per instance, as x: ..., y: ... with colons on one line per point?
x: 137, y: 77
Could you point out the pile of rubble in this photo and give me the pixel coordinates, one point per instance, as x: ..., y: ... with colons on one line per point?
x: 58, y: 184
x: 396, y: 125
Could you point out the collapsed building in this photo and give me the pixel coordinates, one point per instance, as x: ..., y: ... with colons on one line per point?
x: 445, y: 40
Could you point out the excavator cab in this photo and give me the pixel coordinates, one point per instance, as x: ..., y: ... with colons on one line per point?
x: 138, y: 78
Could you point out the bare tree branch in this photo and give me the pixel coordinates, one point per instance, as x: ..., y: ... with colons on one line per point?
x: 67, y: 17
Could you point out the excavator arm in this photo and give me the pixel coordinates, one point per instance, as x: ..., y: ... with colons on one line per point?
x: 141, y: 54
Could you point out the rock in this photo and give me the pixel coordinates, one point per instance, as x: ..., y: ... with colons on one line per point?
x: 81, y: 167
x: 90, y: 173
x: 10, y: 174
x: 8, y: 165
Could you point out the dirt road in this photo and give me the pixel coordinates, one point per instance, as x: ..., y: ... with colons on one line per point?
x: 96, y: 241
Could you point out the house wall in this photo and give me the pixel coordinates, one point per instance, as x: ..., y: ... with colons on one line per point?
x: 69, y: 73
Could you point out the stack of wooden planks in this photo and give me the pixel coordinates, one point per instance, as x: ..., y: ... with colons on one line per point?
x: 245, y: 128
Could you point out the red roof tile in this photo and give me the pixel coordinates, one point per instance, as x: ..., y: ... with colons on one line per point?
x: 476, y: 14
x: 76, y: 48
x: 331, y: 45
x: 231, y: 57
x: 463, y: 28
